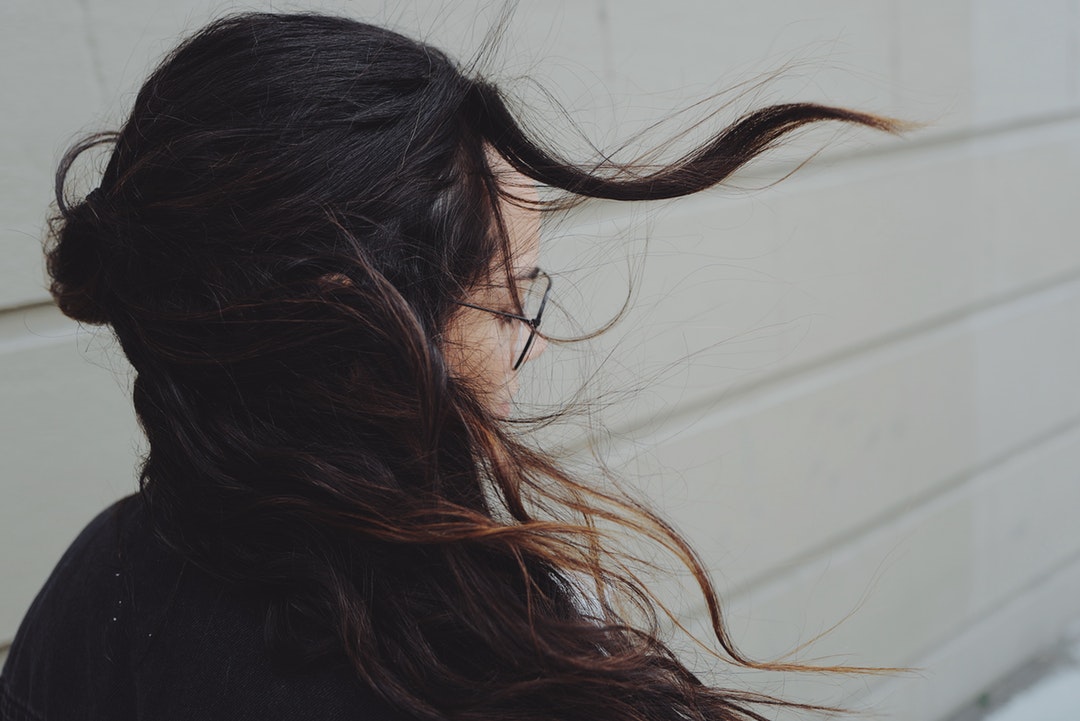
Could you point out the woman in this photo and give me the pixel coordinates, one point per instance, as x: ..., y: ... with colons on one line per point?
x: 316, y: 241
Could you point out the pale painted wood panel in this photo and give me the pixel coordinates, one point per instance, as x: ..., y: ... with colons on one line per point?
x: 735, y: 291
x: 812, y: 463
x: 68, y: 446
x: 964, y: 586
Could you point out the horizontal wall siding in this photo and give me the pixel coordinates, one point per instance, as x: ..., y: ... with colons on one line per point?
x: 917, y: 597
x: 68, y: 444
x: 738, y: 290
x: 821, y: 455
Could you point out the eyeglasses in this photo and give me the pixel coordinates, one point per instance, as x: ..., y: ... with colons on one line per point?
x: 533, y: 304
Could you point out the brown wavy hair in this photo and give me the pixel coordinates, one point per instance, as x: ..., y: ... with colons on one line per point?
x: 282, y: 230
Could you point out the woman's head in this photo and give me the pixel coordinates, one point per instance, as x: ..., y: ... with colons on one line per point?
x: 276, y: 166
x: 308, y: 239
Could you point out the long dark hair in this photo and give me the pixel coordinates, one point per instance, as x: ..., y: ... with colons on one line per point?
x: 278, y: 241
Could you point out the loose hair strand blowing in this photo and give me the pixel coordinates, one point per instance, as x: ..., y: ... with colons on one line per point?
x: 287, y: 219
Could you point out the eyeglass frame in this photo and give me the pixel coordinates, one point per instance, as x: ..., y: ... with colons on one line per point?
x: 533, y: 323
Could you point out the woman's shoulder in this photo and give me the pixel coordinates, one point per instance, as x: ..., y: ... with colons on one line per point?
x: 125, y: 629
x: 65, y: 645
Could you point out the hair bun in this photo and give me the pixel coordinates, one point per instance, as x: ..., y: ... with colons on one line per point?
x: 76, y: 260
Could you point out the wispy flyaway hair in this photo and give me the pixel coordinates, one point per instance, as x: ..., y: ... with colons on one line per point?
x: 285, y: 224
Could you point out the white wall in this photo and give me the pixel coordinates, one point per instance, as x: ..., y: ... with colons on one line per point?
x: 860, y: 387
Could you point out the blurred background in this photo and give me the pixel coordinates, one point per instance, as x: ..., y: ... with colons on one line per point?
x: 855, y: 391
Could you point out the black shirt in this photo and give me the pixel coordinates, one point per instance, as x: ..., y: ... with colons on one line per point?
x: 124, y: 629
